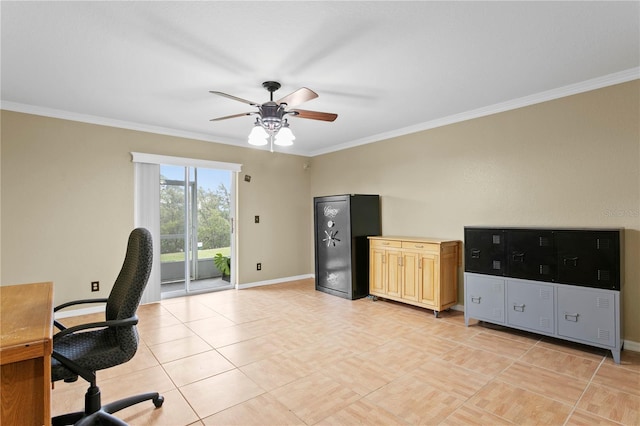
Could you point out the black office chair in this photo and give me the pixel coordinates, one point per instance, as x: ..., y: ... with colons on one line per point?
x: 83, y: 349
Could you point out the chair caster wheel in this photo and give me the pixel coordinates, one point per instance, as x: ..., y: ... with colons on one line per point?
x: 158, y: 401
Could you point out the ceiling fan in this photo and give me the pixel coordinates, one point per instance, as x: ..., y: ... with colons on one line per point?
x: 271, y: 124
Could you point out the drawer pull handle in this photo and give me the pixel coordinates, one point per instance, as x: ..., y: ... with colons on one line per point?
x: 419, y: 246
x: 571, y: 317
x: 573, y: 260
x: 385, y: 243
x: 518, y: 308
x: 475, y: 299
x: 518, y: 257
x: 475, y: 254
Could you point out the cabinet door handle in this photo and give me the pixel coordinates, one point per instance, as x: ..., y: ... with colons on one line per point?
x: 475, y: 254
x: 475, y: 299
x: 518, y: 257
x: 400, y: 261
x: 420, y: 263
x: 573, y: 260
x: 571, y: 317
x: 518, y: 308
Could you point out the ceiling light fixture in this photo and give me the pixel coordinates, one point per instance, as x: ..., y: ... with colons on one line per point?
x: 271, y: 126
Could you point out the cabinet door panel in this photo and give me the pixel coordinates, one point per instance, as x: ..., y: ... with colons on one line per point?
x: 428, y: 278
x: 485, y: 251
x: 484, y: 298
x: 530, y: 305
x: 377, y: 272
x: 447, y: 289
x: 587, y: 314
x: 410, y: 276
x: 531, y: 254
x: 589, y: 258
x: 394, y: 273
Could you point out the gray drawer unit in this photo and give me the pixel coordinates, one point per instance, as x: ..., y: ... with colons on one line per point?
x: 579, y: 314
x: 484, y: 298
x: 530, y: 306
x: 588, y: 315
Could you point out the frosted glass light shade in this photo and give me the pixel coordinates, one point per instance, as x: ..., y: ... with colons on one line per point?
x: 284, y: 137
x: 258, y: 136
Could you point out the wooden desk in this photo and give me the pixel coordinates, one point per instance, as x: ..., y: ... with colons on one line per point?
x: 26, y: 327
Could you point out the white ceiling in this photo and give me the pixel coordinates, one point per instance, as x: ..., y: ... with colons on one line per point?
x: 385, y: 67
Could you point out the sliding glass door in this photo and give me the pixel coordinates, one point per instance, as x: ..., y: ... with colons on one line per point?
x: 195, y: 229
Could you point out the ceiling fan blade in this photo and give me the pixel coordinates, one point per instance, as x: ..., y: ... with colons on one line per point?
x: 299, y: 96
x: 235, y: 98
x: 233, y: 116
x: 315, y: 115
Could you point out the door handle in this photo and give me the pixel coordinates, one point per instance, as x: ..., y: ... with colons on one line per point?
x: 518, y: 257
x: 475, y: 299
x: 573, y: 260
x: 518, y: 308
x: 475, y: 254
x: 571, y: 317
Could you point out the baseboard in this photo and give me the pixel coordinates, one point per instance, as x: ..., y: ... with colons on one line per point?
x: 458, y: 308
x: 631, y: 346
x: 276, y: 281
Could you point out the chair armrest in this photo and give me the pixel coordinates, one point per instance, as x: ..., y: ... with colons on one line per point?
x: 59, y: 325
x: 101, y: 324
x: 78, y: 302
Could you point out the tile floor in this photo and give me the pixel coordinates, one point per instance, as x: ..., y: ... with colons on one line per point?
x: 289, y: 355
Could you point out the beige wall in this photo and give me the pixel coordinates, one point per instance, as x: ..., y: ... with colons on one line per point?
x: 571, y: 162
x: 67, y: 188
x: 67, y: 203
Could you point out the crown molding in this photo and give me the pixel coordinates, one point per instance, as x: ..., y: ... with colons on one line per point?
x: 572, y: 89
x: 561, y: 92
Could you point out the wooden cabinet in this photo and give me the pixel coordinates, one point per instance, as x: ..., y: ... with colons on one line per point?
x: 418, y: 271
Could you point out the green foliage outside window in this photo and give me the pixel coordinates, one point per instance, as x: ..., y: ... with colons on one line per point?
x: 214, y: 225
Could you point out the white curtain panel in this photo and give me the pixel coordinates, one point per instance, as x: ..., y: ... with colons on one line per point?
x: 147, y: 215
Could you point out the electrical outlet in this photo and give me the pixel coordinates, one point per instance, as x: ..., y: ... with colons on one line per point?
x: 257, y: 219
x: 259, y: 266
x: 95, y: 285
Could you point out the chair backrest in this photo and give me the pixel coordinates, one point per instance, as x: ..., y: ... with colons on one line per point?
x: 127, y: 290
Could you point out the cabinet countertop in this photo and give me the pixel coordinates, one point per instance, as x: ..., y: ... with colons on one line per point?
x: 415, y: 239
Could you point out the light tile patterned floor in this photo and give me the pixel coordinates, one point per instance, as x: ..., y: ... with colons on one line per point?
x: 288, y: 355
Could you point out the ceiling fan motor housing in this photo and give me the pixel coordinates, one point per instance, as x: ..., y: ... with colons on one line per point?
x: 271, y: 115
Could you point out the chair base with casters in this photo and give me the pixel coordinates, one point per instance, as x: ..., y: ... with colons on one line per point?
x: 68, y: 370
x: 81, y: 350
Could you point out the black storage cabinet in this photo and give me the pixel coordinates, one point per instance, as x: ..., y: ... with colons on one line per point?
x: 583, y: 257
x: 485, y: 251
x: 589, y: 258
x: 342, y: 224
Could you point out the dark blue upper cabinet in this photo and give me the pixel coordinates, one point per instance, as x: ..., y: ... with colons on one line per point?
x: 584, y: 257
x: 531, y: 254
x: 485, y: 250
x: 589, y: 258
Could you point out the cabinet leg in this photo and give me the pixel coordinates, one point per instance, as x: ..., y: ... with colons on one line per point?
x: 616, y: 355
x: 436, y: 314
